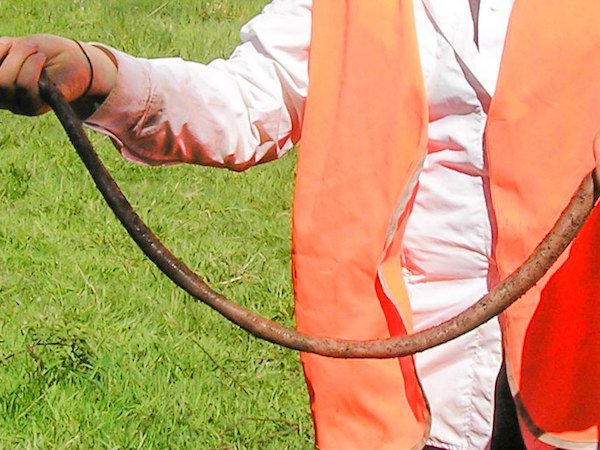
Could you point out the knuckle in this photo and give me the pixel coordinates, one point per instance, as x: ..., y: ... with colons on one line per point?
x: 25, y: 47
x: 30, y: 72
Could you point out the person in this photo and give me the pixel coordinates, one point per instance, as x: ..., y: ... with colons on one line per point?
x: 438, y: 144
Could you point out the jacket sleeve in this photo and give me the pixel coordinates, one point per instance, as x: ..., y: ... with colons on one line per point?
x: 230, y: 113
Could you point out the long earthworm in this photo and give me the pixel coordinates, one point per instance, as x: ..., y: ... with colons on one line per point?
x: 503, y: 295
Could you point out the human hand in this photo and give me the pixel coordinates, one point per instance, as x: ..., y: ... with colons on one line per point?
x: 78, y: 75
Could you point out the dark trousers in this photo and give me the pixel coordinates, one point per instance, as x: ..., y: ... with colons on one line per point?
x: 506, y: 434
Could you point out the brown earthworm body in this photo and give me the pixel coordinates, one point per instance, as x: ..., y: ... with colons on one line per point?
x: 489, y: 306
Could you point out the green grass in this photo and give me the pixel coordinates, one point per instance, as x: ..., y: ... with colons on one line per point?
x: 97, y: 348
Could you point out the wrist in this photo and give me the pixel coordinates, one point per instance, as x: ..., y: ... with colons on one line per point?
x: 103, y: 71
x: 103, y: 78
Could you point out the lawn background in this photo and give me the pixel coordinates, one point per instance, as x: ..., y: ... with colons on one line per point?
x: 97, y: 348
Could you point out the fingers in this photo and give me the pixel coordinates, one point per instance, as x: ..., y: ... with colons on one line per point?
x: 4, y: 48
x: 13, y: 60
x: 20, y: 67
x: 27, y: 96
x: 12, y: 63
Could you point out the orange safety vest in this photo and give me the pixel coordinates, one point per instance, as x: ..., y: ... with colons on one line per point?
x: 364, y: 137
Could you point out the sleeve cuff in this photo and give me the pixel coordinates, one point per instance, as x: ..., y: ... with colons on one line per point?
x: 127, y: 104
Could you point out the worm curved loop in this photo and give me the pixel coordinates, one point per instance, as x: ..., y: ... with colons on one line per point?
x: 489, y: 306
